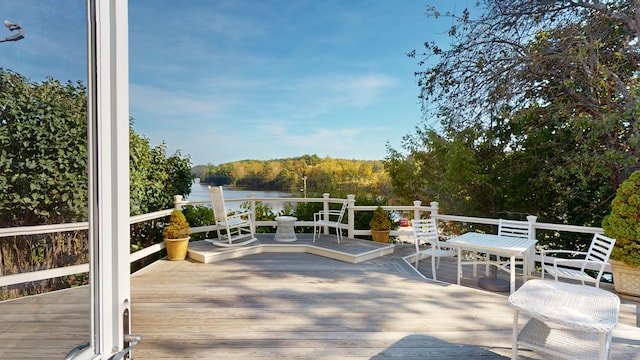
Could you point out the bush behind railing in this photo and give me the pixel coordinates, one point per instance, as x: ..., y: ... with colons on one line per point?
x: 27, y: 253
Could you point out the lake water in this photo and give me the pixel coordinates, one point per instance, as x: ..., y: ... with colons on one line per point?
x: 200, y: 192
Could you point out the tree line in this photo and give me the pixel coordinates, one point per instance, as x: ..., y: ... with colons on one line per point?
x: 336, y: 176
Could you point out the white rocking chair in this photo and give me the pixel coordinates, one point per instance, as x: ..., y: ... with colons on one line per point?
x: 234, y: 229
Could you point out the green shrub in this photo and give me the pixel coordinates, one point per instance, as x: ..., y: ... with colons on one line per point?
x: 623, y: 223
x: 380, y: 220
x: 178, y: 226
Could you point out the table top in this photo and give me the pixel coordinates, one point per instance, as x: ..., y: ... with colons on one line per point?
x: 473, y: 240
x: 576, y: 306
x: 286, y: 218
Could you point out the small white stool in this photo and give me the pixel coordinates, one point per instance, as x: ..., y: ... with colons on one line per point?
x: 285, y: 231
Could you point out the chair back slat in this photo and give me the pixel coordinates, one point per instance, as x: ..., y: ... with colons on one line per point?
x: 600, y: 248
x: 425, y: 230
x: 513, y: 228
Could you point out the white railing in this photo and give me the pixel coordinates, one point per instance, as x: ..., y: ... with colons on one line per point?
x: 417, y: 209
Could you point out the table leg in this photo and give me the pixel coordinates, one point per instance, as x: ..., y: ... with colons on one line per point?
x: 525, y: 267
x: 459, y: 263
x: 512, y: 273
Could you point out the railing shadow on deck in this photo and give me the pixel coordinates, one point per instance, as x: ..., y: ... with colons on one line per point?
x: 421, y: 346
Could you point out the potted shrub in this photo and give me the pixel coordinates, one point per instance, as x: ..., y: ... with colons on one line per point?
x: 380, y: 225
x: 623, y: 224
x: 176, y: 236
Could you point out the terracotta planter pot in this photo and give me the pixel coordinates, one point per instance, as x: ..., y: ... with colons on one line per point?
x: 381, y: 236
x: 176, y: 248
x: 626, y: 280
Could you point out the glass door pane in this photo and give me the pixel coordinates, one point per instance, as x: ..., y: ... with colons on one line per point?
x: 43, y: 178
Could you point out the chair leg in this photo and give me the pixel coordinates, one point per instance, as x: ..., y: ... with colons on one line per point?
x: 433, y: 267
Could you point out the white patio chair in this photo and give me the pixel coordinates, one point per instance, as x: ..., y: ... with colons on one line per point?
x: 426, y: 231
x: 331, y: 219
x: 575, y: 268
x: 511, y: 228
x: 234, y: 229
x: 517, y: 229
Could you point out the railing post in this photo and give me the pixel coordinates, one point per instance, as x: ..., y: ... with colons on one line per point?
x: 417, y: 214
x: 351, y: 218
x: 434, y: 208
x: 531, y: 262
x: 177, y: 202
x: 253, y: 207
x: 325, y: 209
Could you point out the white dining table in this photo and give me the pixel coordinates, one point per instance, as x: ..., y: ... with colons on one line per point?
x: 494, y: 244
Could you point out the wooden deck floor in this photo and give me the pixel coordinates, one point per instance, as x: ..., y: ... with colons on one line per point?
x: 289, y: 306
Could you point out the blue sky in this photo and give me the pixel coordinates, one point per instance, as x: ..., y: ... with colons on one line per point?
x: 230, y: 80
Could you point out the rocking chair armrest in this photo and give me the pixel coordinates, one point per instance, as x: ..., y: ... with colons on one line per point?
x: 239, y: 214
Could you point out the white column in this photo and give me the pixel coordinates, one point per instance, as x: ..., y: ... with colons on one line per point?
x: 108, y: 89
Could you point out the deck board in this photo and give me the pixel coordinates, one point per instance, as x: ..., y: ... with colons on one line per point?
x: 289, y: 306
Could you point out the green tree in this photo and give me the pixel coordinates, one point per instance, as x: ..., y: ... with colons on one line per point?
x: 539, y: 99
x: 155, y: 177
x: 43, y: 175
x: 43, y: 151
x: 154, y: 180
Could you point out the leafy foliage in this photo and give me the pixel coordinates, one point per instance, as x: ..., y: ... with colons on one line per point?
x: 43, y: 151
x: 43, y: 176
x: 538, y: 103
x: 155, y: 177
x: 623, y: 223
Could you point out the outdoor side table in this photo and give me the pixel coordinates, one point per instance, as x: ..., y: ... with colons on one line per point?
x: 285, y: 231
x: 567, y: 321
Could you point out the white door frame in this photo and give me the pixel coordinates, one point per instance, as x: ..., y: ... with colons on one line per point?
x: 108, y: 143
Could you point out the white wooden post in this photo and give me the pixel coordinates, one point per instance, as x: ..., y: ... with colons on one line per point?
x: 325, y: 209
x: 417, y: 213
x: 177, y: 202
x: 351, y: 217
x: 253, y: 209
x: 434, y: 208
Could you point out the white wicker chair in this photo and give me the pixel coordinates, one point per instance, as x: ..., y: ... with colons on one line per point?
x: 426, y: 231
x: 234, y: 229
x: 574, y: 268
x: 331, y: 219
